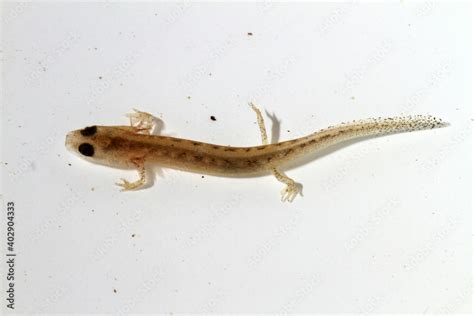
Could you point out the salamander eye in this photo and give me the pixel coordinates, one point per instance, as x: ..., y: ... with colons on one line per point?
x: 86, y: 149
x: 89, y: 131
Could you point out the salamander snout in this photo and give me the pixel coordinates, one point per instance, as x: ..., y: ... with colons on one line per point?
x: 69, y: 140
x: 80, y: 141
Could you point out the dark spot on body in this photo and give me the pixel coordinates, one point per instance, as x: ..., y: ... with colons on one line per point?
x: 248, y: 149
x: 89, y: 131
x: 120, y: 143
x: 251, y: 163
x: 216, y: 147
x: 324, y: 137
x: 177, y: 140
x: 198, y: 158
x: 289, y: 151
x: 182, y: 155
x: 229, y: 149
x: 197, y: 144
x: 86, y: 149
x: 261, y: 147
x: 303, y: 145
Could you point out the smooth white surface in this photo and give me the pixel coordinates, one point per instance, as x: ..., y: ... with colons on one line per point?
x: 384, y: 225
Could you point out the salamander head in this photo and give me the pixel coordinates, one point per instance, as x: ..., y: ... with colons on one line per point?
x: 88, y: 143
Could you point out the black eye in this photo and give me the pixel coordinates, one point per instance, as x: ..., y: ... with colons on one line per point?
x: 89, y: 131
x: 86, y: 149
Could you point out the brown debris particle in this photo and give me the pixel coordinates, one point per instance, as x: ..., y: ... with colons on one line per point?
x: 213, y: 118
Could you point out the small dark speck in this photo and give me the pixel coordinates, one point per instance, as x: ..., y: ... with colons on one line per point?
x: 6, y: 163
x: 202, y: 177
x: 189, y: 97
x: 100, y: 77
x: 133, y: 235
x: 92, y: 211
x: 249, y: 33
x: 288, y: 131
x: 69, y: 164
x: 115, y: 291
x: 210, y: 74
x: 213, y: 118
x: 95, y: 48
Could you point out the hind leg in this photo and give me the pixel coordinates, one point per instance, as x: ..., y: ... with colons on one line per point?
x: 261, y: 123
x: 292, y: 188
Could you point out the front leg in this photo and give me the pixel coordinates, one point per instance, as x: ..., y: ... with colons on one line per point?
x: 139, y: 163
x: 142, y: 122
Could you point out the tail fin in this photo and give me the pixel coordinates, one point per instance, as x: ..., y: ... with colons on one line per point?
x: 373, y: 127
x: 381, y: 126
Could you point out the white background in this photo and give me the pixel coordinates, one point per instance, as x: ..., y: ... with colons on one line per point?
x: 384, y: 224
